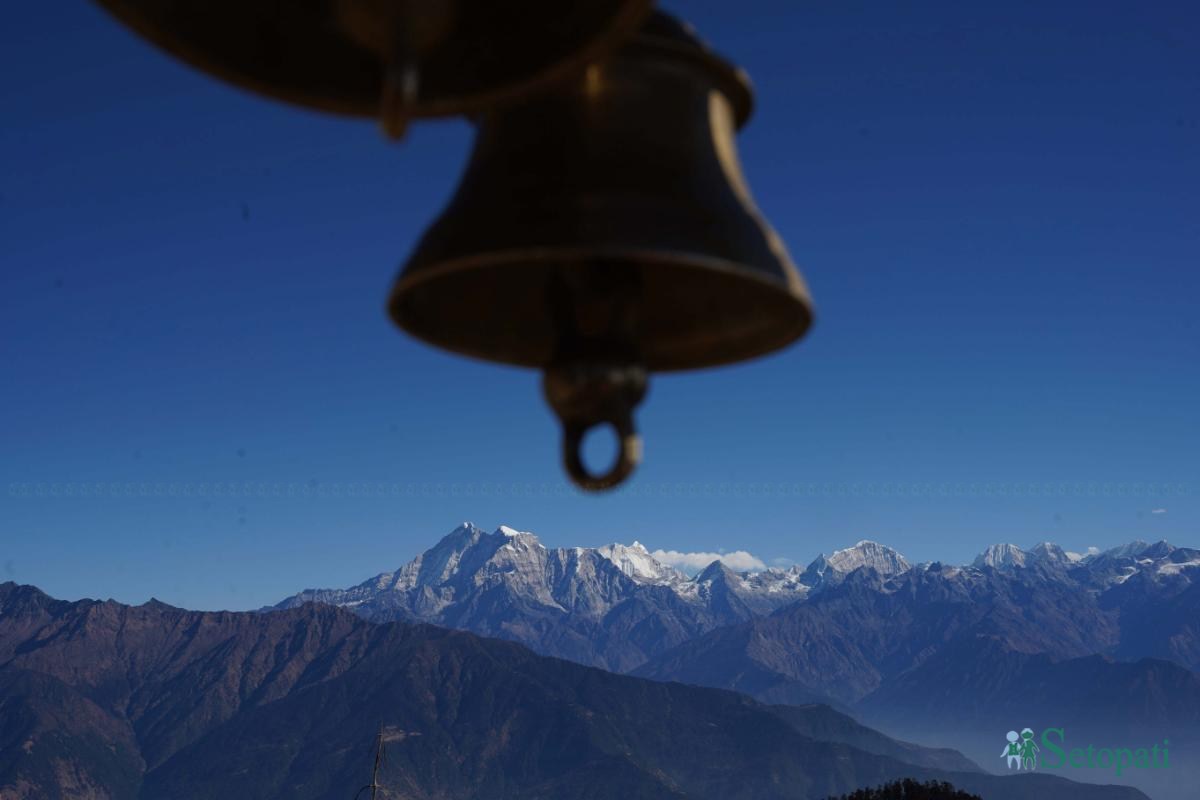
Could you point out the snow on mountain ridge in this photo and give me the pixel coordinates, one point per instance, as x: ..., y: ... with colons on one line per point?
x: 637, y: 562
x: 616, y: 606
x: 1131, y: 549
x: 469, y: 560
x: 471, y: 563
x: 998, y: 556
x: 867, y: 553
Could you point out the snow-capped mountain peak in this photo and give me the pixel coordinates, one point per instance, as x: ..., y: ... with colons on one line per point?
x: 516, y: 540
x: 1051, y: 553
x: 1130, y: 550
x: 999, y: 556
x: 717, y: 570
x: 636, y: 562
x: 866, y: 553
x: 832, y: 569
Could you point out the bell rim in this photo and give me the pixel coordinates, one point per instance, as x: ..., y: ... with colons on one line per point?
x: 621, y: 29
x: 794, y: 292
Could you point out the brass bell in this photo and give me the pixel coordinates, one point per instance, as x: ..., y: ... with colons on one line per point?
x: 392, y: 59
x: 603, y: 230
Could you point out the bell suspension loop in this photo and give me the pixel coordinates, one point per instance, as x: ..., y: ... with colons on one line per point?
x: 587, y: 395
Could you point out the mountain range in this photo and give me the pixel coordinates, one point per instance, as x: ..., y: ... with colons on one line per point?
x: 1105, y: 642
x: 619, y: 608
x: 100, y: 700
x: 614, y: 606
x: 736, y: 684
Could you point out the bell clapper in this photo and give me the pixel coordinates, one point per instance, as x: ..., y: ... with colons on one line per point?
x: 587, y: 394
x: 402, y: 34
x: 400, y: 85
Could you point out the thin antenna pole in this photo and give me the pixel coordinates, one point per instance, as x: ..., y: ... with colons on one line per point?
x: 374, y: 784
x: 378, y: 763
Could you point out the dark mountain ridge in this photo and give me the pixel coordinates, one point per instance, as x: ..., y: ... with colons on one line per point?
x: 103, y: 700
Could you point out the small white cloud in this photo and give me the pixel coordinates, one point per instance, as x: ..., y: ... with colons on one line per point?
x: 1093, y: 550
x: 1158, y: 511
x: 736, y: 560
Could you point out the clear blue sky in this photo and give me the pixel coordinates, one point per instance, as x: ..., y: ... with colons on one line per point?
x: 996, y: 206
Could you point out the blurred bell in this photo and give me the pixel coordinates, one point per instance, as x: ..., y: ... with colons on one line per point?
x: 602, y: 230
x: 392, y: 59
